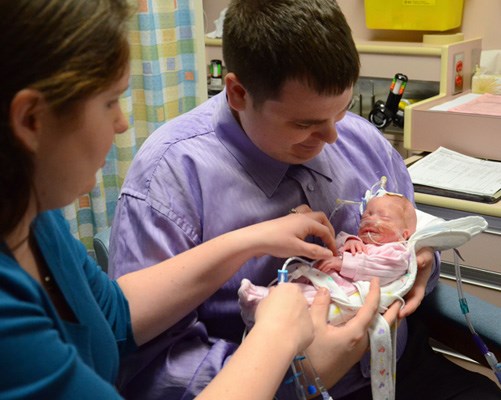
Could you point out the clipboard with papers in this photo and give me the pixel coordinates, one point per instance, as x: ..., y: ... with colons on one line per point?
x: 448, y: 173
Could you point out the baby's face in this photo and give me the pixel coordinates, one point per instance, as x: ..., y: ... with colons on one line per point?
x: 383, y: 221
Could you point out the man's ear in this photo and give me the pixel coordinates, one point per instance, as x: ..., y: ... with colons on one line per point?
x: 26, y: 111
x: 238, y: 97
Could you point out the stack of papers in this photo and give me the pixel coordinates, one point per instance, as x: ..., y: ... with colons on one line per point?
x: 472, y: 103
x: 448, y: 173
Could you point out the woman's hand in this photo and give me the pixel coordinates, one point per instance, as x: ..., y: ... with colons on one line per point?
x: 194, y: 281
x: 285, y: 236
x: 284, y: 314
x: 283, y: 329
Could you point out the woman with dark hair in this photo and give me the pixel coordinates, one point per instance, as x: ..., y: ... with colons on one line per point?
x: 63, y: 323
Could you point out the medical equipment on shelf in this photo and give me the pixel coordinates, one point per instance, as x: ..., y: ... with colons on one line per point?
x: 384, y: 113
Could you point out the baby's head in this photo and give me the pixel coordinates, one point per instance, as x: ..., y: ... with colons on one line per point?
x: 387, y: 218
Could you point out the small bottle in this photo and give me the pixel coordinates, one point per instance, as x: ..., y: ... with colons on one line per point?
x: 215, y: 85
x: 216, y: 73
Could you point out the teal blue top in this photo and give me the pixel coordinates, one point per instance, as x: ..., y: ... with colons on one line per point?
x: 43, y: 356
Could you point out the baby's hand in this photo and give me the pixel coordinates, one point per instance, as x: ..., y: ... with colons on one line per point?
x: 354, y: 246
x: 329, y: 264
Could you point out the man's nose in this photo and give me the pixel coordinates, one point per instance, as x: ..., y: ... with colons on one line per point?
x: 328, y: 132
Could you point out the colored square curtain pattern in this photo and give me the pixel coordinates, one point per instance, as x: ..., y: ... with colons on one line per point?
x: 163, y: 84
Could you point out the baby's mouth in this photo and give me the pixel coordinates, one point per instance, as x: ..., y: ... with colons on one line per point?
x: 370, y: 235
x: 368, y: 230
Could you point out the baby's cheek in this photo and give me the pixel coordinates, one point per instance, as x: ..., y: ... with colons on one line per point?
x: 387, y: 236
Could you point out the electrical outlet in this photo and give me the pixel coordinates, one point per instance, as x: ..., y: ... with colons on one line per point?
x: 457, y: 73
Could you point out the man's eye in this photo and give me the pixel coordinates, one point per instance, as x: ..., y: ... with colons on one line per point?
x: 302, y: 126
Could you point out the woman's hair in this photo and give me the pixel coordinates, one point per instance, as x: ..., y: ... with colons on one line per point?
x: 269, y: 42
x: 68, y: 50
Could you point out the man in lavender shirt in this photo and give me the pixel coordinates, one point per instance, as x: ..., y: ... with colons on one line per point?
x: 279, y: 135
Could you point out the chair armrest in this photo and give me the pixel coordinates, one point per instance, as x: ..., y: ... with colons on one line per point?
x: 101, y: 244
x: 446, y: 323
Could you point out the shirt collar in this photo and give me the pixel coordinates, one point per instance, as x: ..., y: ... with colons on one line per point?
x: 266, y: 172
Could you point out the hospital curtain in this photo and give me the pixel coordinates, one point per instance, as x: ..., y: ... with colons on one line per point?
x: 164, y: 83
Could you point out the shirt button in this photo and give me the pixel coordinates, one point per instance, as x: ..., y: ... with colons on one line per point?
x: 311, y: 187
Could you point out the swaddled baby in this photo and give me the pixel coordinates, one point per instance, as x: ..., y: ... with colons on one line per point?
x: 386, y: 247
x: 380, y: 249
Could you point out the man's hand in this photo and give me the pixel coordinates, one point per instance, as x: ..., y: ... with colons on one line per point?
x: 413, y: 299
x: 336, y: 349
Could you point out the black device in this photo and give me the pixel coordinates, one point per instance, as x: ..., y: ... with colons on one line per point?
x: 384, y: 113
